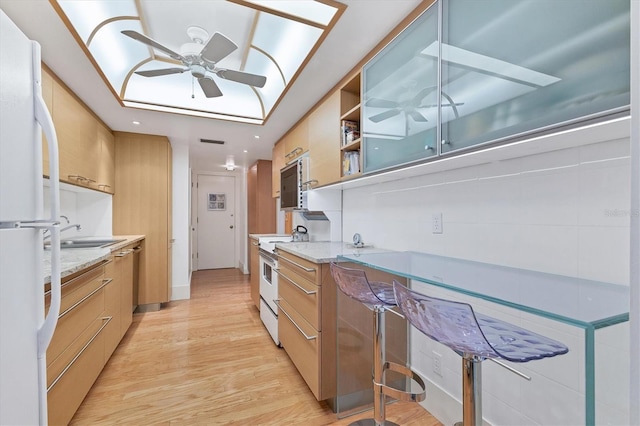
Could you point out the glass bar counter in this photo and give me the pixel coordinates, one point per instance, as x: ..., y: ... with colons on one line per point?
x: 589, y: 305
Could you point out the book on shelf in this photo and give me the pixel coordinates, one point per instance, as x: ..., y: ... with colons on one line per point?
x: 350, y: 162
x: 350, y: 131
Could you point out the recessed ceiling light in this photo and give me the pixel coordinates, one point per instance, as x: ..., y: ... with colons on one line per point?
x: 257, y: 137
x: 137, y: 123
x: 245, y: 151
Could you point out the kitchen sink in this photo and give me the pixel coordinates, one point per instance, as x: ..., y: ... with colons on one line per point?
x: 86, y: 243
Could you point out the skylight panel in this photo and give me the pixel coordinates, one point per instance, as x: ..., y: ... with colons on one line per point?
x: 306, y: 9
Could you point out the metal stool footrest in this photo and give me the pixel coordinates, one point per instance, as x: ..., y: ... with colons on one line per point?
x: 402, y: 395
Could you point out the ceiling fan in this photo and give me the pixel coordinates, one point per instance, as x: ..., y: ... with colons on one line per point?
x: 200, y: 59
x: 410, y: 107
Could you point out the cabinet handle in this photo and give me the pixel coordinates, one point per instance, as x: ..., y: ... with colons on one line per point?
x: 255, y: 244
x: 90, y: 180
x: 102, y: 263
x: 297, y: 264
x: 277, y: 302
x: 294, y: 152
x: 124, y: 253
x: 309, y: 293
x: 75, y: 305
x: 309, y: 182
x: 84, y: 348
x: 77, y: 177
x: 103, y: 185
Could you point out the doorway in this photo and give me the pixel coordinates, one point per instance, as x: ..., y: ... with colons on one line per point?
x: 216, y: 222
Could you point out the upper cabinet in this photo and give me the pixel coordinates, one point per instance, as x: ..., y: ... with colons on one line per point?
x: 277, y: 163
x: 350, y: 107
x: 493, y: 77
x: 297, y: 141
x: 324, y: 158
x: 107, y: 164
x: 86, y: 146
x: 399, y: 105
x: 261, y: 207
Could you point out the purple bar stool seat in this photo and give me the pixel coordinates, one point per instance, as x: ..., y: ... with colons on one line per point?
x: 379, y: 296
x: 475, y: 337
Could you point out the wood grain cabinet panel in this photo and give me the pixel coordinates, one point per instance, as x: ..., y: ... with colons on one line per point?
x: 306, y: 326
x: 76, y: 129
x: 261, y: 208
x: 76, y: 354
x: 324, y: 140
x: 142, y: 206
x: 86, y: 146
x: 297, y: 141
x: 277, y: 163
x: 106, y: 178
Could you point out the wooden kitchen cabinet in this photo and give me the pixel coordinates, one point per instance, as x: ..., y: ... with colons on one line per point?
x: 261, y: 207
x: 254, y: 263
x: 142, y: 205
x: 76, y: 355
x: 106, y: 180
x: 85, y: 144
x: 306, y: 324
x: 297, y: 141
x: 277, y: 163
x: 351, y: 151
x: 324, y: 136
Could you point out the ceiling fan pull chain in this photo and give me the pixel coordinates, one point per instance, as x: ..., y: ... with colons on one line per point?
x: 193, y: 96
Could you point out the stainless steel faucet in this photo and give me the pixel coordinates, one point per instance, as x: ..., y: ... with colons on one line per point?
x: 47, y: 235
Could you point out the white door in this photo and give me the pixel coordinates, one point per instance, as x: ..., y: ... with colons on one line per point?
x: 216, y: 222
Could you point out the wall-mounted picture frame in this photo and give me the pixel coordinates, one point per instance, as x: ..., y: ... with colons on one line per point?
x: 216, y: 201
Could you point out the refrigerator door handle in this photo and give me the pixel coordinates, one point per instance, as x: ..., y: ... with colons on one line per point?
x: 43, y: 117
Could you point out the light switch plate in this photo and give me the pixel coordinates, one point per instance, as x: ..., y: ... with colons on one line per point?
x: 436, y: 223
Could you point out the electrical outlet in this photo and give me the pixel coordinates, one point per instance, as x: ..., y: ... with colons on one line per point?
x: 437, y: 363
x: 436, y: 223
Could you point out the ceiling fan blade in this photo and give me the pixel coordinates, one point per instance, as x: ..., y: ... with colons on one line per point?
x: 384, y: 115
x: 149, y: 42
x: 243, y: 77
x: 209, y: 87
x: 166, y: 71
x: 381, y: 103
x: 217, y: 48
x: 417, y: 116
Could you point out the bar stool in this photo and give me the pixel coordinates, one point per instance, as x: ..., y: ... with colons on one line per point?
x: 475, y: 337
x: 379, y: 297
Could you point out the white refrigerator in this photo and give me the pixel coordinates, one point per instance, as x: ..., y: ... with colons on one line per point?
x: 25, y: 333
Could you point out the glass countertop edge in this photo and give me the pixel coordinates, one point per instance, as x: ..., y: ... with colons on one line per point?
x: 595, y: 324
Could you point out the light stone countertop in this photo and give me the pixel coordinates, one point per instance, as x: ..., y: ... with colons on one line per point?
x: 256, y: 236
x: 77, y: 259
x: 324, y: 251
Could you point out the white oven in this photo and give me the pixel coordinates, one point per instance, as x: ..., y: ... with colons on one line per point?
x: 269, y: 284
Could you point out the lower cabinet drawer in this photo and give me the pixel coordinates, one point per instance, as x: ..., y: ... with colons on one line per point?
x: 304, y: 295
x: 73, y: 323
x: 67, y: 393
x: 302, y: 343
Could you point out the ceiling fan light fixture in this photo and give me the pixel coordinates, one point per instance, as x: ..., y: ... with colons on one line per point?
x: 198, y: 71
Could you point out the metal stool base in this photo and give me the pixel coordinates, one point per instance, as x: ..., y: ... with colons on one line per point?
x: 371, y: 422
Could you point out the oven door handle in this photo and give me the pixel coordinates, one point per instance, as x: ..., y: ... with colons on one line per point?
x: 304, y: 290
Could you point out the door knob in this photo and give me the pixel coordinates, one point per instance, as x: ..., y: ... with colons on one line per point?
x: 231, y: 227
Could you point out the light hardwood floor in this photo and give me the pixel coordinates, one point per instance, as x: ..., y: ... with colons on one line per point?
x: 209, y: 360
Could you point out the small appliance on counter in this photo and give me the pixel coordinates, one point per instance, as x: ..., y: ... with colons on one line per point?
x: 300, y: 234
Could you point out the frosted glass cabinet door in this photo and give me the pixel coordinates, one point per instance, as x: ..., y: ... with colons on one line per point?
x: 517, y: 66
x: 399, y: 105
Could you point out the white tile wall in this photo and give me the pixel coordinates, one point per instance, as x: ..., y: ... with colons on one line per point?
x: 563, y: 212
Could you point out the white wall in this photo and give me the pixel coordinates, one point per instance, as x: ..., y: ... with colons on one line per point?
x: 564, y: 212
x: 180, y: 251
x: 92, y: 210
